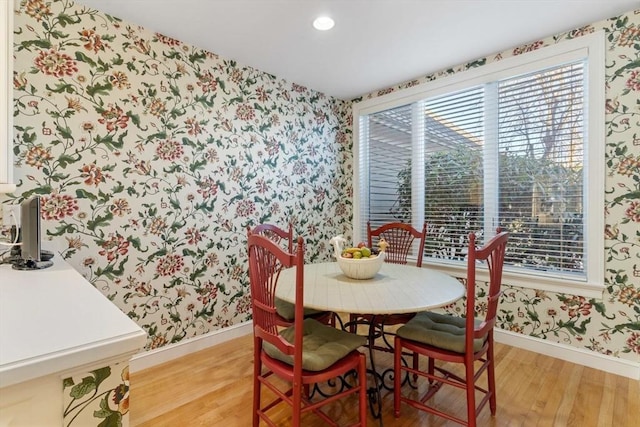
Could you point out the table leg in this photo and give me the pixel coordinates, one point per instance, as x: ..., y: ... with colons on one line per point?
x: 375, y: 393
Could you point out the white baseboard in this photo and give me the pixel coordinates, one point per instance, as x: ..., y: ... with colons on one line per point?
x: 172, y: 351
x: 614, y: 365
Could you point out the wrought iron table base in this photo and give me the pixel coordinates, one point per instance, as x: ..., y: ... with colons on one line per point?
x: 383, y: 380
x: 375, y: 331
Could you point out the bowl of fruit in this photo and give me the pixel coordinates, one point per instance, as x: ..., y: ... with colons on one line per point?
x: 357, y: 262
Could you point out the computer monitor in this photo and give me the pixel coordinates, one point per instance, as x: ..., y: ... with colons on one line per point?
x: 30, y: 248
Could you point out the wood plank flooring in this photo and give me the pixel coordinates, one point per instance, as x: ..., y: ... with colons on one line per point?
x: 213, y: 387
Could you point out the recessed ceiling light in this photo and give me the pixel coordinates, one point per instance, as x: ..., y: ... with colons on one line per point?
x: 323, y: 23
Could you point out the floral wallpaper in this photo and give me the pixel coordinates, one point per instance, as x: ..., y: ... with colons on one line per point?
x: 152, y: 156
x: 610, y: 325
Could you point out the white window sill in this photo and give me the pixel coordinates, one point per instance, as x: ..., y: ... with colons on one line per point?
x: 529, y: 281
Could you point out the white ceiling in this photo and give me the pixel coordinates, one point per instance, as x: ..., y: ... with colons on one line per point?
x: 374, y: 44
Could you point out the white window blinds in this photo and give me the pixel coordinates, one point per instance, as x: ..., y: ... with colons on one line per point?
x: 504, y: 153
x: 540, y: 142
x: 389, y: 178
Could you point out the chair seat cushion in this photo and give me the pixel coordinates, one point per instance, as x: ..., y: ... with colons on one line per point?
x: 286, y: 310
x: 439, y: 330
x: 322, y: 345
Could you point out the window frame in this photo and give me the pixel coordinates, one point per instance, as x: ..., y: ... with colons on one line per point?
x: 592, y: 47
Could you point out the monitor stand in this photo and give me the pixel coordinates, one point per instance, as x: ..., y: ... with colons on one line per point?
x: 29, y: 264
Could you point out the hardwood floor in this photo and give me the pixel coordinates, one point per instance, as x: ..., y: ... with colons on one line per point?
x: 213, y: 387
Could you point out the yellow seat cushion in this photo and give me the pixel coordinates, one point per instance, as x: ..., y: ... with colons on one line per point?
x: 322, y: 345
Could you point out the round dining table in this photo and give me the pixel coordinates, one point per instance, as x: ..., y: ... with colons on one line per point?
x: 395, y: 289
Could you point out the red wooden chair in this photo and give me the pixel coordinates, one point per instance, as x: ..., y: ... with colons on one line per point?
x: 400, y: 237
x: 285, y: 310
x: 303, y: 354
x: 464, y: 340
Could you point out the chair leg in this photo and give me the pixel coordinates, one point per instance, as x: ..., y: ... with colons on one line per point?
x: 296, y: 402
x: 431, y: 369
x: 257, y: 371
x: 491, y: 380
x: 362, y: 395
x: 353, y: 325
x: 397, y: 374
x: 306, y: 389
x: 471, y: 393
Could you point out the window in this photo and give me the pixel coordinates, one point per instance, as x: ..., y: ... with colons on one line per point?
x: 518, y: 143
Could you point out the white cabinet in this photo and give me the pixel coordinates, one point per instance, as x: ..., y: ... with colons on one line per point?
x: 37, y: 402
x: 54, y: 325
x: 6, y: 96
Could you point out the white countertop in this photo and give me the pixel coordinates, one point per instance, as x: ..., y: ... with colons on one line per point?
x: 53, y: 320
x: 395, y: 289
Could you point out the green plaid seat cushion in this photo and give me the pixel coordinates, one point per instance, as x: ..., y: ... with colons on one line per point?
x: 439, y: 330
x: 322, y: 345
x: 286, y: 310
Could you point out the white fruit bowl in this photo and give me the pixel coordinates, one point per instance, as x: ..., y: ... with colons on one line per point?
x: 363, y: 268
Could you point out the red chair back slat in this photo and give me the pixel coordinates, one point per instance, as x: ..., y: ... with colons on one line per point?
x: 492, y: 254
x: 400, y: 237
x: 266, y: 260
x: 275, y: 234
x: 284, y: 238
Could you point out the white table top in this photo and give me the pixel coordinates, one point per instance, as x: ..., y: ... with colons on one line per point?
x: 395, y: 289
x: 53, y: 320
